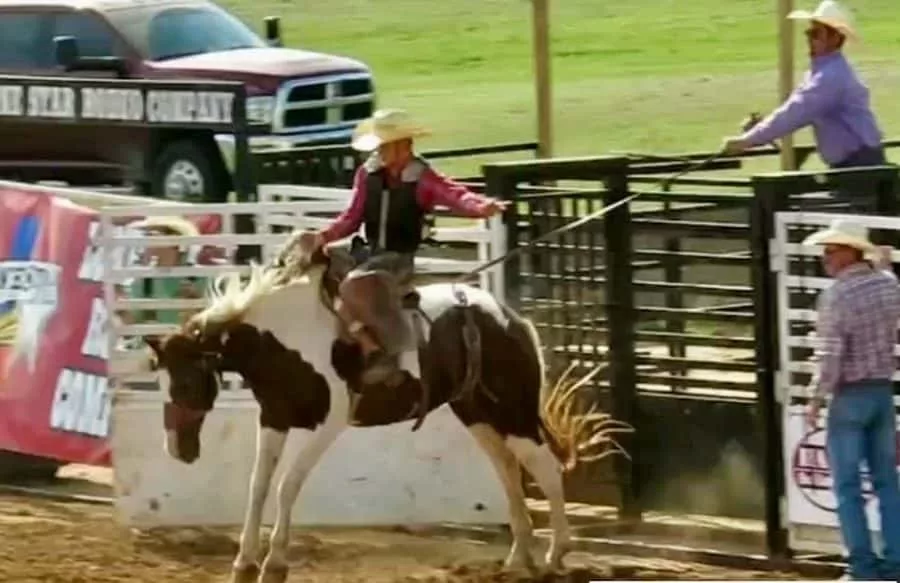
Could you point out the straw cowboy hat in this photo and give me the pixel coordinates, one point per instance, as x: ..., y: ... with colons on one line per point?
x: 843, y: 232
x: 385, y: 126
x: 176, y: 225
x: 830, y: 13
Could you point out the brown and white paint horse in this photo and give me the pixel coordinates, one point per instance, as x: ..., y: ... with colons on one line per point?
x: 279, y: 334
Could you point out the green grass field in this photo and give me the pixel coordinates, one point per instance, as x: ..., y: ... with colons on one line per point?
x: 641, y: 75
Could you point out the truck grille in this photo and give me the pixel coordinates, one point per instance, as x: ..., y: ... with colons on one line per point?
x: 324, y: 103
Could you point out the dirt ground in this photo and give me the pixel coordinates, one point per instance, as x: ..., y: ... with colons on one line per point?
x: 60, y: 542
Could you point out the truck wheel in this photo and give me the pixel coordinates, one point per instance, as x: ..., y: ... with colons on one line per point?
x: 19, y: 468
x: 188, y: 171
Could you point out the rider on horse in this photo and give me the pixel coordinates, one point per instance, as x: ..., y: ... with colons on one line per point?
x: 392, y: 192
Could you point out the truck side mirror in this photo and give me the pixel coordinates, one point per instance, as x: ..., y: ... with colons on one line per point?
x: 273, y: 30
x: 68, y: 59
x: 66, y: 48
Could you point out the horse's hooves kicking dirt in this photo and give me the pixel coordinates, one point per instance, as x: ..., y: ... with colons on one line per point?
x: 47, y: 541
x: 246, y: 574
x: 277, y: 574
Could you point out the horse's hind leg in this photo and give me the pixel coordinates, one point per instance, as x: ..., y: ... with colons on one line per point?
x: 511, y: 476
x: 269, y: 445
x: 275, y: 566
x: 546, y: 470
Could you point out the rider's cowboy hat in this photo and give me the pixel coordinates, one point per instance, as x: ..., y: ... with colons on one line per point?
x: 830, y: 13
x: 843, y: 232
x: 385, y: 126
x: 175, y: 225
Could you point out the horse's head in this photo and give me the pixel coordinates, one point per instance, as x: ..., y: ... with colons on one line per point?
x: 190, y: 364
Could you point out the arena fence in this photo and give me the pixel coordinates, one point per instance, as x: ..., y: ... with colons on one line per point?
x: 675, y: 285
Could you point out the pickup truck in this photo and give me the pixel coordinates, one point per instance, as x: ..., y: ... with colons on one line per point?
x: 306, y: 98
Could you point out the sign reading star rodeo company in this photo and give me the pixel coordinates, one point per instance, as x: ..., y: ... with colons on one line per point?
x: 138, y: 104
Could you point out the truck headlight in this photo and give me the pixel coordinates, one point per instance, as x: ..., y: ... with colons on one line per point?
x: 260, y: 109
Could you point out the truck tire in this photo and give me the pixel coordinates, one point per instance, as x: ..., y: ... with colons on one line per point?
x: 189, y: 171
x: 19, y: 468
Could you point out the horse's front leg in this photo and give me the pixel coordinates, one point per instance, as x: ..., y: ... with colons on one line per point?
x: 275, y: 565
x: 269, y: 445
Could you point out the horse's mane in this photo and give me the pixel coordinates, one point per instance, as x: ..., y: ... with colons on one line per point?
x: 229, y: 299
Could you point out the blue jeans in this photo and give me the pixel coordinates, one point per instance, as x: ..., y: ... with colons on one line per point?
x: 861, y: 426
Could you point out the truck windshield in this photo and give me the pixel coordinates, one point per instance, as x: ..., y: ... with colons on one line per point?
x: 182, y: 31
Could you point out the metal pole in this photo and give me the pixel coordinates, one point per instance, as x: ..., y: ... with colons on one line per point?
x: 541, y: 44
x: 244, y: 189
x: 621, y: 315
x: 767, y: 199
x: 786, y: 74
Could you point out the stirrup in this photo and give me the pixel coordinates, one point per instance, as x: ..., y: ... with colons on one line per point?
x: 378, y: 369
x: 410, y: 301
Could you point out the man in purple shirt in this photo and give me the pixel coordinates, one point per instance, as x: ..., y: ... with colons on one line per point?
x: 856, y: 336
x: 831, y: 98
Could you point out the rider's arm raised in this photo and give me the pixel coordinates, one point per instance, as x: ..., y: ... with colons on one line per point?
x: 436, y: 188
x: 348, y: 222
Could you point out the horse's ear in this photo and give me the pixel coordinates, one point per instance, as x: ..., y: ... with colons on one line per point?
x: 155, y: 344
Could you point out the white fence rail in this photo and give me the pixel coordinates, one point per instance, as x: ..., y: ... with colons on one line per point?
x: 810, y: 508
x: 317, y: 206
x: 370, y: 476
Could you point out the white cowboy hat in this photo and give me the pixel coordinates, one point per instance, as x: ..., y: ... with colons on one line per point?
x: 830, y: 13
x: 177, y: 225
x: 385, y: 126
x: 843, y: 232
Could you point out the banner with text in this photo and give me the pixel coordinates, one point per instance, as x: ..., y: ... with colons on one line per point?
x: 810, y: 494
x: 53, y: 328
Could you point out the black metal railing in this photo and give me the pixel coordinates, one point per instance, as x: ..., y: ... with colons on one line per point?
x: 666, y: 291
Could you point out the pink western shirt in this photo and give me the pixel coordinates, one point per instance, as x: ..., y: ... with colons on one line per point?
x: 433, y: 189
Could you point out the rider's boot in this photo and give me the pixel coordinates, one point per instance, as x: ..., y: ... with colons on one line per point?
x: 378, y: 365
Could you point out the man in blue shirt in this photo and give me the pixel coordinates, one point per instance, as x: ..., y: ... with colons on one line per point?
x: 831, y: 98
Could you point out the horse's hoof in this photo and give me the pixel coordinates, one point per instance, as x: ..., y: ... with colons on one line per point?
x: 517, y: 562
x: 273, y: 574
x: 554, y: 557
x: 245, y: 574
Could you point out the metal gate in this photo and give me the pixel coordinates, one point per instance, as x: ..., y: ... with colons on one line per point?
x: 808, y: 509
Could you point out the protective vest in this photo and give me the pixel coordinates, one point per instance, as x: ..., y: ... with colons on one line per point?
x: 392, y: 217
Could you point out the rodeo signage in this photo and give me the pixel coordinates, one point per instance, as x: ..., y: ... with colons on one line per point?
x: 134, y: 104
x: 809, y: 485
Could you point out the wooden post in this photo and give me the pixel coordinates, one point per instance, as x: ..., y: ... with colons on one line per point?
x: 541, y: 43
x: 786, y: 74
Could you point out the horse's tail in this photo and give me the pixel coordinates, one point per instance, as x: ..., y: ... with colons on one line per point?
x: 572, y: 436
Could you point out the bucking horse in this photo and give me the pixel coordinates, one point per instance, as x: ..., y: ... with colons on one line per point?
x: 278, y: 330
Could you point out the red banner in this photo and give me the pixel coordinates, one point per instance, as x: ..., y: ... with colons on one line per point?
x: 53, y: 329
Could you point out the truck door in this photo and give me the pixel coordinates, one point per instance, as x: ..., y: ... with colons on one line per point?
x: 24, y: 35
x: 110, y: 147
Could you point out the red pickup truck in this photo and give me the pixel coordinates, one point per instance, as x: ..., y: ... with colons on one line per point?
x: 307, y: 98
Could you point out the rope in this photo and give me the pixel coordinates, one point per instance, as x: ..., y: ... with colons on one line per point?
x: 568, y: 227
x: 666, y: 186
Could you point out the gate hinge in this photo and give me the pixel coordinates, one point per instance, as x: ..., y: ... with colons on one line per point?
x: 781, y: 388
x: 776, y: 256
